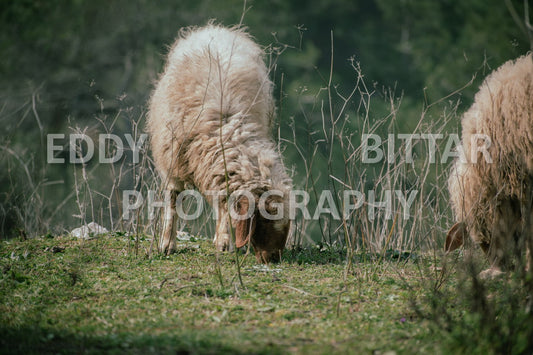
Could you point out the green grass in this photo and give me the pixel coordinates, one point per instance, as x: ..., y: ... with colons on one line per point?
x: 109, y: 295
x: 99, y: 296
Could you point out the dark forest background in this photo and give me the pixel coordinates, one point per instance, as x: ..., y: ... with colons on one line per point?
x: 89, y: 66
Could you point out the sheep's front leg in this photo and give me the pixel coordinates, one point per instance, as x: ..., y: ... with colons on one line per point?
x: 222, y: 236
x: 170, y: 220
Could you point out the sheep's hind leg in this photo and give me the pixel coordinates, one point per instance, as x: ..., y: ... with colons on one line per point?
x: 167, y: 243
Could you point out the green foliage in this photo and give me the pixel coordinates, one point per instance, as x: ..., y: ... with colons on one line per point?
x: 481, y: 315
x: 444, y: 37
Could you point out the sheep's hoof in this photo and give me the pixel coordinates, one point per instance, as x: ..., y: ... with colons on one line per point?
x: 169, y: 251
x: 168, y: 248
x: 491, y: 273
x: 223, y: 242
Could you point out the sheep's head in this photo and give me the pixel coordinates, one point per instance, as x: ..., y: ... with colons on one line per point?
x: 265, y: 225
x: 455, y: 239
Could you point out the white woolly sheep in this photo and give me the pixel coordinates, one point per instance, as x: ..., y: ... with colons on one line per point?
x: 493, y: 201
x: 210, y: 118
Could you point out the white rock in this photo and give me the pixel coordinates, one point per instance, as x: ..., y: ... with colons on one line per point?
x: 492, y: 273
x: 88, y: 231
x: 184, y: 236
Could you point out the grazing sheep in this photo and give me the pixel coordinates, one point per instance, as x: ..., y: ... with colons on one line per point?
x: 210, y: 118
x: 493, y: 201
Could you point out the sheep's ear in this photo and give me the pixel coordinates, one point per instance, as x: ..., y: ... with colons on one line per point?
x: 244, y: 228
x: 455, y: 237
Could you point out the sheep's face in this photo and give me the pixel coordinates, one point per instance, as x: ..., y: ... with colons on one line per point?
x: 269, y: 239
x: 266, y: 229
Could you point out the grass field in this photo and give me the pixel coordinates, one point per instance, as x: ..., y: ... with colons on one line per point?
x: 108, y: 295
x: 62, y: 295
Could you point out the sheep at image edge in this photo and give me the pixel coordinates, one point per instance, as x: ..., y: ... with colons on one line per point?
x: 492, y: 198
x: 210, y: 114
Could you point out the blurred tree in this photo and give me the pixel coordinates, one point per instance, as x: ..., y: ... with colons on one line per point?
x: 449, y: 41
